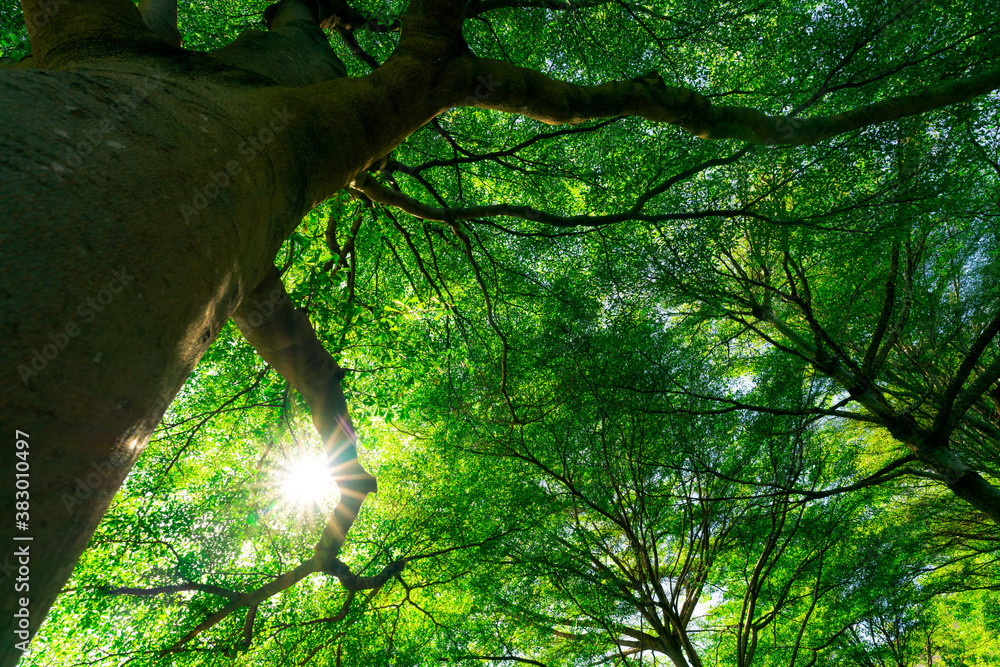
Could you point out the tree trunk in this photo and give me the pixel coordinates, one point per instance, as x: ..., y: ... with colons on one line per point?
x: 127, y: 244
x: 142, y: 195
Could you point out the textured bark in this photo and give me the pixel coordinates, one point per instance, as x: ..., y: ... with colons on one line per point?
x: 110, y: 294
x: 144, y: 191
x: 160, y: 16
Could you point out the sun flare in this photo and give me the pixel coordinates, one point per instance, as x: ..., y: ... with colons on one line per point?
x: 307, y: 481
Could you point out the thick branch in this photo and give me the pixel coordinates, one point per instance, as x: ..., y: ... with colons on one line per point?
x: 440, y: 19
x: 79, y: 29
x: 926, y: 446
x: 353, y: 582
x: 248, y: 627
x: 530, y: 93
x: 285, y: 339
x: 283, y: 336
x: 161, y: 17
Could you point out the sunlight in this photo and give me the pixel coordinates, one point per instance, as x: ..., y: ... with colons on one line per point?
x: 307, y: 481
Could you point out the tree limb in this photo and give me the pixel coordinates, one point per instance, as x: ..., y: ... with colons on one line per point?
x: 178, y: 588
x: 283, y: 336
x: 161, y: 17
x: 887, y: 305
x: 530, y: 93
x: 377, y: 192
x: 78, y: 29
x: 947, y: 418
x: 353, y: 582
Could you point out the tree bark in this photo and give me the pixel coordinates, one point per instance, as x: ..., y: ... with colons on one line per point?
x: 144, y: 191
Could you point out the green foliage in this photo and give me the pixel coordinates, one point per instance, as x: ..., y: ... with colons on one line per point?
x: 586, y: 438
x: 13, y: 33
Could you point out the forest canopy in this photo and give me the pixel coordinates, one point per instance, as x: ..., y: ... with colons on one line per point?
x: 631, y: 396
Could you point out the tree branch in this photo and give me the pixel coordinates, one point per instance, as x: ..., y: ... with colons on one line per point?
x: 946, y: 417
x: 441, y: 19
x: 161, y: 17
x: 178, y: 588
x: 285, y: 339
x: 967, y: 398
x: 353, y: 582
x: 367, y: 185
x: 80, y: 29
x: 282, y: 582
x: 925, y: 444
x: 283, y: 336
x: 530, y: 93
x: 248, y: 627
x: 887, y: 306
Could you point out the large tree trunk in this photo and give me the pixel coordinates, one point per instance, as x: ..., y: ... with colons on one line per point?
x: 110, y: 292
x: 142, y: 195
